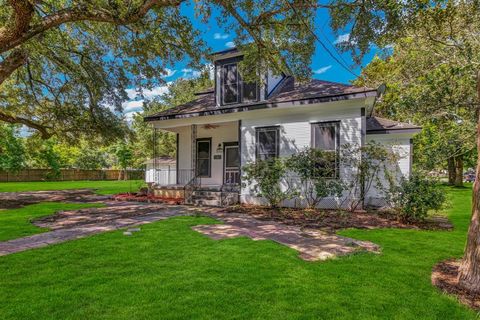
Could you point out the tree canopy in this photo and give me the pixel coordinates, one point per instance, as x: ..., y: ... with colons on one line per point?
x: 65, y: 65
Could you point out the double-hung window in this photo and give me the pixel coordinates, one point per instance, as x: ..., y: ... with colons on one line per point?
x: 326, y: 137
x: 234, y: 90
x: 267, y: 142
x: 230, y: 84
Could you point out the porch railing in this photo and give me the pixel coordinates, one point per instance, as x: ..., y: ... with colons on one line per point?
x: 165, y: 177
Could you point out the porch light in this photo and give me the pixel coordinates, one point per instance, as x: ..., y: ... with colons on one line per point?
x: 219, y: 148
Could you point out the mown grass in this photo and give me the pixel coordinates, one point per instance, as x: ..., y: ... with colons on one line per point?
x: 168, y: 271
x: 102, y: 187
x: 16, y: 223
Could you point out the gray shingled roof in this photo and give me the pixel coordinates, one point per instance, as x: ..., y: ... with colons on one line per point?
x: 377, y: 124
x: 287, y: 91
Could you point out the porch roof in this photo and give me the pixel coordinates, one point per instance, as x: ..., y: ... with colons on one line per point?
x: 377, y: 125
x: 287, y: 93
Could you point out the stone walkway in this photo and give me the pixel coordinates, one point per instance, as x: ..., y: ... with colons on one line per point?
x: 312, y: 245
x: 76, y: 224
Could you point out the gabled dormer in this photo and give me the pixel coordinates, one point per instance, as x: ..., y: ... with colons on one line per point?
x: 230, y: 89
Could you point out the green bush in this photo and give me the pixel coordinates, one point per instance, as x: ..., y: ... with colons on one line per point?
x: 266, y: 176
x: 317, y: 174
x: 414, y: 197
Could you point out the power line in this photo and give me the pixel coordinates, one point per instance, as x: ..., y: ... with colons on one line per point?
x: 320, y: 41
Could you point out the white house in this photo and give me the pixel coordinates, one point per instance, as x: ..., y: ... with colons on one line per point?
x: 237, y: 122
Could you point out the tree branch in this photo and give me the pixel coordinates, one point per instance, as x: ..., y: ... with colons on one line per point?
x: 29, y: 123
x: 82, y: 13
x: 22, y: 13
x: 11, y: 63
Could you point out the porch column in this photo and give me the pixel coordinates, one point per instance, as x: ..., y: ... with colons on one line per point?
x: 193, y: 130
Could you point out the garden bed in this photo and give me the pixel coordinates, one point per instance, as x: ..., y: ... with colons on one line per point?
x: 141, y: 197
x: 445, y: 277
x: 333, y: 220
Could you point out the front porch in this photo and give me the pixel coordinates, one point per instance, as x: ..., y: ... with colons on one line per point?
x: 207, y: 170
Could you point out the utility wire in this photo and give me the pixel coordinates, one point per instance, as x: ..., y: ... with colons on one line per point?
x: 324, y: 46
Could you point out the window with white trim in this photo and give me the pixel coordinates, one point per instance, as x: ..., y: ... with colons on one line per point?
x: 267, y: 142
x: 326, y: 137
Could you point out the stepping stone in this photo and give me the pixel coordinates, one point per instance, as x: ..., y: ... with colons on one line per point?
x: 133, y: 229
x: 127, y: 233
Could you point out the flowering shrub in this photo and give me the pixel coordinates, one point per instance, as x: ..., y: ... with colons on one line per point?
x: 266, y: 176
x: 317, y: 173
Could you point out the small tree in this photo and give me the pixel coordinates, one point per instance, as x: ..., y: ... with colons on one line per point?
x: 12, y: 151
x: 90, y: 159
x: 266, y: 176
x: 368, y: 164
x: 317, y: 172
x: 50, y: 159
x: 124, y: 156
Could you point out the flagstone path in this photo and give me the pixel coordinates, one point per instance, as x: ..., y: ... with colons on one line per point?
x: 312, y: 245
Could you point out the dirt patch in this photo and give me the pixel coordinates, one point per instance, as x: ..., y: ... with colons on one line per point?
x: 139, y: 197
x: 112, y: 211
x: 13, y: 200
x: 333, y: 220
x: 15, y: 204
x: 445, y: 277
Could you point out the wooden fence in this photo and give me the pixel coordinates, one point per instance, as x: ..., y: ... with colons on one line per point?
x: 69, y: 175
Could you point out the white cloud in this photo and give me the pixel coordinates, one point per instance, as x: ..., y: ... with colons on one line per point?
x: 342, y: 38
x: 132, y: 106
x: 230, y: 44
x: 169, y: 72
x: 147, y: 93
x: 322, y: 70
x: 190, y: 73
x: 220, y: 36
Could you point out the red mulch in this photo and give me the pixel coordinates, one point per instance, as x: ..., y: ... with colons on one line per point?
x: 445, y: 277
x: 333, y: 220
x: 146, y: 198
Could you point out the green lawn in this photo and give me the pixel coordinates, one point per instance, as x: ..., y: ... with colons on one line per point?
x: 168, y: 271
x: 16, y: 223
x: 103, y: 187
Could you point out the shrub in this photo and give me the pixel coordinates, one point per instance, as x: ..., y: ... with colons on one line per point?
x: 316, y: 170
x: 368, y: 164
x: 414, y: 197
x: 266, y: 176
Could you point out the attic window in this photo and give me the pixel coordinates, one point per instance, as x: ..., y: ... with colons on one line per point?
x: 230, y: 84
x: 233, y: 89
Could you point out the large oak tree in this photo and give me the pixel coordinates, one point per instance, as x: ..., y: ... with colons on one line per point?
x: 65, y: 64
x: 455, y: 26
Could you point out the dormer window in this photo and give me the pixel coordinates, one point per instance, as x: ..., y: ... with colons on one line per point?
x: 233, y: 89
x: 230, y: 84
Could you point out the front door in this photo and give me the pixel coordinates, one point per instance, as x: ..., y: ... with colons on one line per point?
x: 231, y: 163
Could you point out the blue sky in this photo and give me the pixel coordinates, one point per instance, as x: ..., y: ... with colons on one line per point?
x: 323, y: 65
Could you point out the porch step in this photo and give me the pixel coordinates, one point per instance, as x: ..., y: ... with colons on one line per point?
x: 214, y: 198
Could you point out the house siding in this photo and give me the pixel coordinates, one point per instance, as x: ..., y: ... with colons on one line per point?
x: 400, y: 145
x: 295, y: 135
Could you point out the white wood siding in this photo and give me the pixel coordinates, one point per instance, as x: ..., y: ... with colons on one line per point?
x: 400, y: 145
x: 295, y: 135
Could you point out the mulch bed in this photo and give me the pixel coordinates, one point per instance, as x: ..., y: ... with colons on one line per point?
x: 445, y: 277
x: 138, y: 197
x: 333, y: 220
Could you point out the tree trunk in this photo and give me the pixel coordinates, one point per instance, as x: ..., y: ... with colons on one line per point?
x: 451, y: 171
x: 459, y: 171
x: 469, y: 273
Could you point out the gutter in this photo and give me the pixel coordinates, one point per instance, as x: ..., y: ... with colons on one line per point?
x: 269, y: 105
